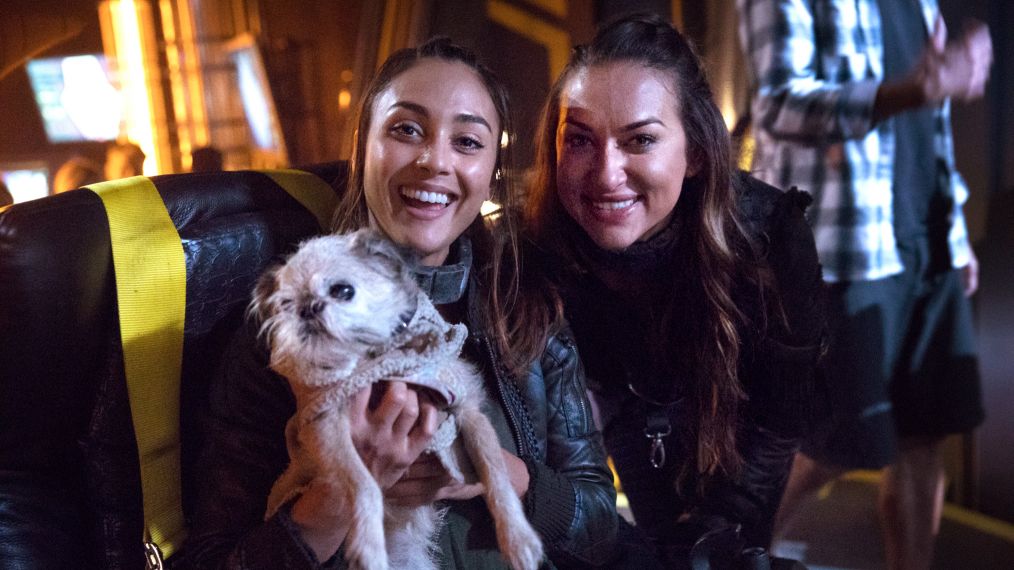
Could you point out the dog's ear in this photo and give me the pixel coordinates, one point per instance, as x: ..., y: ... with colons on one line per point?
x: 374, y: 244
x: 267, y: 284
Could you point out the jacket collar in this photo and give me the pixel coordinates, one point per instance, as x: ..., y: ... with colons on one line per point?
x: 447, y: 283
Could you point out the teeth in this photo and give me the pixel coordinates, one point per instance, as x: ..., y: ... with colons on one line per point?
x: 614, y: 205
x: 429, y: 197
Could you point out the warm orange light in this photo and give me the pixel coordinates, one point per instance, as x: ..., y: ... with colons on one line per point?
x: 344, y: 99
x: 176, y: 80
x: 192, y: 72
x: 132, y: 43
x: 129, y: 35
x: 183, y: 65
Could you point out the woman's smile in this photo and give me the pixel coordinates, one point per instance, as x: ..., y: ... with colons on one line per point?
x: 425, y: 198
x: 430, y: 156
x: 611, y: 204
x: 621, y: 153
x: 426, y: 201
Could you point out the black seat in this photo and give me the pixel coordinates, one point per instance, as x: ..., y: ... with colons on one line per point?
x: 70, y: 489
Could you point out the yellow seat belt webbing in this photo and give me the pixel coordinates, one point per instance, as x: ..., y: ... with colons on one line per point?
x: 151, y: 284
x: 310, y: 190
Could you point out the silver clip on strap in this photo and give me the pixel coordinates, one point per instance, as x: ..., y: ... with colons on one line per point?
x: 657, y: 454
x: 657, y: 428
x: 152, y: 556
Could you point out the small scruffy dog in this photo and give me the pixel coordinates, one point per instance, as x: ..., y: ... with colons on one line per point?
x: 343, y: 312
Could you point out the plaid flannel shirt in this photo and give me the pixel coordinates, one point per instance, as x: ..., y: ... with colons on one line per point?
x: 817, y: 66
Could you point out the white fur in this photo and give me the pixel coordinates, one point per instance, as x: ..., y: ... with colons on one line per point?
x: 326, y: 344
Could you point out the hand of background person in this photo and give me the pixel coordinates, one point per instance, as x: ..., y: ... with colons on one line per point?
x: 970, y: 275
x: 958, y: 69
x: 390, y: 425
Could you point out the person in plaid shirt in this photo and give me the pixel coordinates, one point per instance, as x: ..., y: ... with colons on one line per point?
x: 852, y: 103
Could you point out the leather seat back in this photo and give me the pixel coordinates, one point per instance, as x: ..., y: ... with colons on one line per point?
x: 70, y: 492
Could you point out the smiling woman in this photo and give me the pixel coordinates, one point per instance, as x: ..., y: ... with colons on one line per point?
x: 621, y: 160
x: 426, y: 157
x: 694, y: 290
x: 429, y: 156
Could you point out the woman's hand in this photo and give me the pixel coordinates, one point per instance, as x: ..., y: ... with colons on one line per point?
x: 427, y: 481
x: 518, y: 473
x: 390, y: 425
x: 321, y: 514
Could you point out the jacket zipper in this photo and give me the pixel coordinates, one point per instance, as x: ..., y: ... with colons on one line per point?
x: 501, y: 392
x: 584, y: 411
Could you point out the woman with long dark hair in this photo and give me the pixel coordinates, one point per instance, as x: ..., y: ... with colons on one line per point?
x: 694, y: 290
x: 427, y: 155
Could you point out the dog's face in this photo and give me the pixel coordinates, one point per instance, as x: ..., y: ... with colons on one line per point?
x: 333, y: 300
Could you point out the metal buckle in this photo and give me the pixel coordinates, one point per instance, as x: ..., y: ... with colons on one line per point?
x: 658, y: 426
x: 657, y: 454
x: 152, y: 556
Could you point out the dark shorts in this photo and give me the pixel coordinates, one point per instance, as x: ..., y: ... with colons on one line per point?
x: 901, y: 362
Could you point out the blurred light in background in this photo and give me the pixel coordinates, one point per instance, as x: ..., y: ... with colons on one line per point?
x: 184, y: 68
x: 488, y: 208
x: 27, y: 184
x: 77, y: 98
x: 129, y: 40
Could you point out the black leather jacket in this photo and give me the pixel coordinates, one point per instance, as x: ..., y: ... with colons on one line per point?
x: 544, y: 418
x: 778, y: 370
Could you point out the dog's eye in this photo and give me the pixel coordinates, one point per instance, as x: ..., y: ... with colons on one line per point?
x: 285, y: 303
x: 342, y: 291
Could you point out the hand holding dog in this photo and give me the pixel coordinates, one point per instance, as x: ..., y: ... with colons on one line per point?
x: 389, y: 437
x: 349, y: 446
x: 427, y: 480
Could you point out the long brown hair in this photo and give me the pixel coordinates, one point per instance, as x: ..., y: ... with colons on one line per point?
x: 495, y: 244
x: 714, y: 262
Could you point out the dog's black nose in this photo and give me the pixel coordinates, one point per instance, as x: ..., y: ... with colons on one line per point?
x: 311, y: 309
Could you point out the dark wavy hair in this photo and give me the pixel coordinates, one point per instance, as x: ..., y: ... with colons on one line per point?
x: 495, y: 244
x: 706, y: 327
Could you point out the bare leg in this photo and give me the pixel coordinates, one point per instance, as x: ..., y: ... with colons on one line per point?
x: 805, y: 478
x: 911, y: 502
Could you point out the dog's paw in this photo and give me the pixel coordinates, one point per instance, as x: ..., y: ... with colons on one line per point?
x: 365, y: 547
x: 522, y: 547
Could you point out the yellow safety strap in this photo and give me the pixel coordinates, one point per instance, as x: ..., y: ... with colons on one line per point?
x: 310, y: 190
x: 151, y: 285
